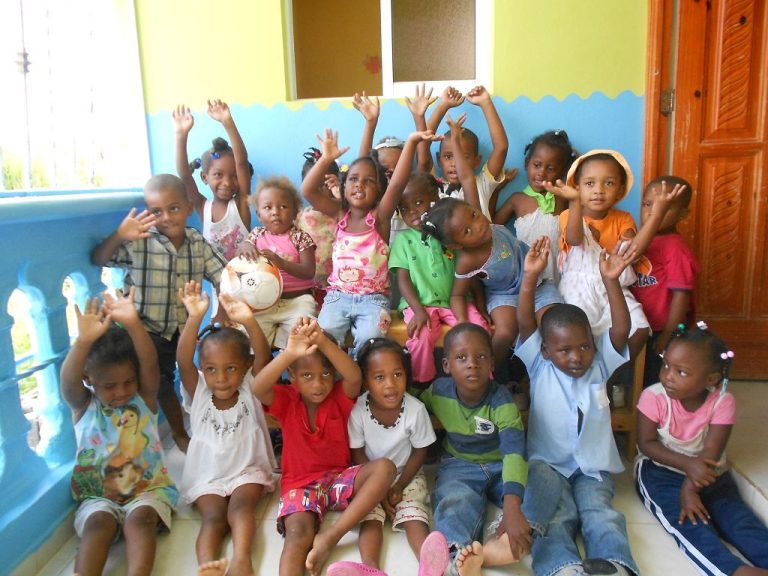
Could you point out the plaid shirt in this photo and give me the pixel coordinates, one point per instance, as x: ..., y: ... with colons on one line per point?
x: 158, y: 270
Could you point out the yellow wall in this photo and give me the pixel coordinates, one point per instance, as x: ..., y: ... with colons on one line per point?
x: 195, y: 50
x: 562, y: 47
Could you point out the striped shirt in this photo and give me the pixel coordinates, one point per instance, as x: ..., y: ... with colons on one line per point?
x: 491, y: 431
x: 158, y: 270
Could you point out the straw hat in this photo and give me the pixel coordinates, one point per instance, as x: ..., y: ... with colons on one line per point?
x: 612, y: 153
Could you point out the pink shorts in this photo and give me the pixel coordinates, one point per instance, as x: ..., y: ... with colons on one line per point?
x: 332, y: 491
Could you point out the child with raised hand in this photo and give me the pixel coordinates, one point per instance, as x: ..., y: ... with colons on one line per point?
x: 110, y: 381
x: 596, y: 181
x: 359, y: 284
x: 229, y: 462
x: 535, y: 210
x: 492, y: 173
x: 425, y: 275
x: 317, y: 473
x: 160, y: 254
x: 290, y: 249
x: 387, y: 422
x: 226, y: 217
x: 490, y: 253
x: 681, y: 474
x: 571, y: 449
x: 666, y: 292
x: 484, y: 444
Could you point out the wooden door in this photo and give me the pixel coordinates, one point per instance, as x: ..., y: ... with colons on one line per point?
x: 716, y: 136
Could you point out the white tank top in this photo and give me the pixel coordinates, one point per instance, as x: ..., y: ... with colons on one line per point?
x: 226, y: 234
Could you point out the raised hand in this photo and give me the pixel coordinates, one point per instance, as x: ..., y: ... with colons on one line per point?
x: 136, y: 226
x: 538, y: 256
x: 122, y: 308
x: 195, y: 300
x: 219, y: 111
x: 451, y: 97
x: 333, y: 183
x: 612, y: 265
x: 368, y: 107
x: 424, y: 135
x: 299, y: 342
x: 665, y: 196
x: 478, y: 95
x: 456, y: 125
x: 421, y: 101
x: 236, y: 310
x: 330, y: 145
x: 561, y: 189
x: 93, y: 323
x: 510, y: 174
x: 183, y: 119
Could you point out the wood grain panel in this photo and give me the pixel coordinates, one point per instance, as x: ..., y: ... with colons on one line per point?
x: 734, y: 78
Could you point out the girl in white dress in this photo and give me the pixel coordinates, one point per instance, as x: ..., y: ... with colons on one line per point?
x: 229, y: 462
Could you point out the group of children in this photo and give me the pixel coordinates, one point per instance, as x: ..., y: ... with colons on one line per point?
x: 567, y: 294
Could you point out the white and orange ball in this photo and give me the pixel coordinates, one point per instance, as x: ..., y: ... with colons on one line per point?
x: 257, y: 282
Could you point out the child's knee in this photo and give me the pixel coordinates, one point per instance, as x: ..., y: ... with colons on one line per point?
x: 300, y: 531
x: 100, y: 523
x: 142, y: 518
x: 382, y: 468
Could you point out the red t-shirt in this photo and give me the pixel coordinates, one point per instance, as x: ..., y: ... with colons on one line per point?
x: 309, y: 455
x: 674, y: 268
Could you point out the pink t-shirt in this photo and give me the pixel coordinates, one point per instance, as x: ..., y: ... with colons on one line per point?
x: 685, y: 425
x: 360, y: 260
x: 287, y: 246
x: 674, y: 268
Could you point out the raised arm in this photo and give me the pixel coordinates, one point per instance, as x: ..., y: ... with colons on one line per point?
x: 479, y: 96
x: 391, y: 198
x: 348, y: 369
x: 369, y: 108
x: 183, y: 121
x: 91, y: 325
x: 450, y: 98
x: 535, y: 263
x: 220, y: 112
x: 311, y: 186
x: 574, y: 229
x: 611, y: 267
x: 504, y: 213
x: 133, y: 227
x: 196, y: 302
x: 418, y: 107
x: 650, y: 227
x: 239, y: 312
x: 463, y: 169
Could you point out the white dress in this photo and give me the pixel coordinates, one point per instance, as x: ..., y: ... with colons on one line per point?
x: 229, y: 448
x: 226, y: 234
x: 533, y: 226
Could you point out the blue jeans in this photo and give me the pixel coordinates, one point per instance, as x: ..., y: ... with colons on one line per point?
x: 462, y: 491
x: 367, y: 315
x: 565, y: 505
x: 730, y: 519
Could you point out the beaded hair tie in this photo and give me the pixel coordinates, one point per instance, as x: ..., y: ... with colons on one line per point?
x: 210, y: 329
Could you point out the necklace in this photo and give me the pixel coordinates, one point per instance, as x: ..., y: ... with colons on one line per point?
x: 370, y: 412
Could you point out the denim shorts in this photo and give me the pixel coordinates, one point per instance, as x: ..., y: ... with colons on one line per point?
x: 546, y: 295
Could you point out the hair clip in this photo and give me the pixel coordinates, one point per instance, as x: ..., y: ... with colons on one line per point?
x: 211, y: 328
x: 371, y: 340
x: 215, y: 155
x: 405, y: 351
x: 343, y: 168
x: 681, y: 327
x: 727, y: 355
x: 701, y: 325
x: 197, y: 162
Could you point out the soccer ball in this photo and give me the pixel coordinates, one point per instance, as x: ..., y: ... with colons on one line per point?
x: 257, y: 282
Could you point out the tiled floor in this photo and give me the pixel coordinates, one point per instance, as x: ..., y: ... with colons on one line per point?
x: 653, y: 549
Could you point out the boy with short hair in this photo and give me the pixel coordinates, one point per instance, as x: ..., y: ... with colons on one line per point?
x: 160, y: 254
x: 492, y: 173
x: 571, y: 449
x: 666, y: 292
x: 485, y: 445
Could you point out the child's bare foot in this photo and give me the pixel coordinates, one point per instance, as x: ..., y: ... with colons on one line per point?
x: 213, y: 568
x: 469, y: 559
x: 240, y: 567
x: 496, y: 551
x: 318, y: 556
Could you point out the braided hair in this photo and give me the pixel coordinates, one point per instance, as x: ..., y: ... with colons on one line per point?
x: 556, y: 139
x: 374, y: 345
x: 702, y: 337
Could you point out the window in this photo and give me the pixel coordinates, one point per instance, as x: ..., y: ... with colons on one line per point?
x: 386, y: 47
x: 73, y: 112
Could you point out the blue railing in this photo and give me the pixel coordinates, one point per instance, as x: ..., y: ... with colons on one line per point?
x: 44, y: 238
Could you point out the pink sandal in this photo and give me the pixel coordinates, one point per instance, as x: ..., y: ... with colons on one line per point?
x: 347, y: 568
x: 434, y: 556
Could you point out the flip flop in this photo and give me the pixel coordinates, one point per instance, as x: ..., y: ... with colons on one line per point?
x: 434, y: 556
x: 347, y: 568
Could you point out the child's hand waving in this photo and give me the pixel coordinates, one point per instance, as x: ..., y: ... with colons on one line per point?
x: 451, y: 97
x: 121, y: 309
x: 136, y: 226
x: 194, y: 299
x: 559, y: 188
x: 183, y: 119
x: 330, y: 145
x: 538, y: 255
x: 421, y: 101
x: 368, y: 107
x: 456, y: 125
x: 299, y: 341
x: 93, y: 323
x: 425, y: 135
x: 665, y: 196
x: 478, y: 95
x: 612, y: 265
x: 219, y: 111
x: 333, y: 183
x: 237, y: 310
